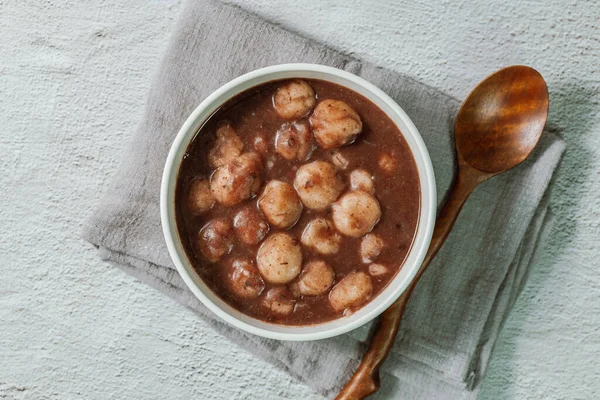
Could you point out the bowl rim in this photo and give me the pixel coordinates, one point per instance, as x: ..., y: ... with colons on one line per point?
x: 427, y: 212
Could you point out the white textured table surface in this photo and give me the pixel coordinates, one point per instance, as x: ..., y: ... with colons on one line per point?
x: 73, y: 76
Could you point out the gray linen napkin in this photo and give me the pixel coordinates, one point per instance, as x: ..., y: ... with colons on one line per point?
x: 455, y: 314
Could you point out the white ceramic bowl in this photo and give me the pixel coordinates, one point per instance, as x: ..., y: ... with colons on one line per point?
x: 426, y: 214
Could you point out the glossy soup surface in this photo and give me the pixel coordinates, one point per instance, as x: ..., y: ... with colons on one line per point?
x: 289, y: 296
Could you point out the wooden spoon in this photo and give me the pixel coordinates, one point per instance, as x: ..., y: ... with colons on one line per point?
x: 497, y: 127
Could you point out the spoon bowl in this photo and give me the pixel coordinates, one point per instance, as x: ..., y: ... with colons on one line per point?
x: 502, y: 119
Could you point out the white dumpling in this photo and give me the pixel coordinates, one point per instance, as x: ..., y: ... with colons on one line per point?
x: 356, y: 213
x: 370, y: 247
x: 353, y: 290
x: 294, y: 99
x: 321, y: 236
x: 361, y: 180
x: 316, y: 278
x: 378, y: 269
x: 294, y: 141
x: 279, y: 258
x: 245, y: 279
x: 339, y: 160
x: 318, y: 184
x: 227, y: 145
x: 215, y: 239
x: 387, y: 163
x: 200, y: 198
x: 237, y: 181
x: 335, y: 124
x: 279, y: 301
x: 249, y: 226
x: 280, y: 204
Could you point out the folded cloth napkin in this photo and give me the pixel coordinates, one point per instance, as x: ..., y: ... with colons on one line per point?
x: 454, y: 316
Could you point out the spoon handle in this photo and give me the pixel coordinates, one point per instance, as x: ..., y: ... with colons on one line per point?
x: 365, y: 380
